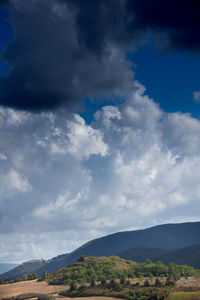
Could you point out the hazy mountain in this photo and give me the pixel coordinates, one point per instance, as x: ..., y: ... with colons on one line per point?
x: 166, y: 237
x: 31, y: 266
x: 4, y: 267
x: 140, y: 254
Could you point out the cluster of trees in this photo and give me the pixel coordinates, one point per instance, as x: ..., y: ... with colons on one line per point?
x: 91, y: 269
x: 158, y: 269
x: 124, y: 290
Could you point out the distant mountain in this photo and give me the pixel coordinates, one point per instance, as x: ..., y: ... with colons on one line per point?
x: 140, y: 254
x: 168, y: 237
x: 27, y: 267
x: 4, y: 267
x: 185, y: 256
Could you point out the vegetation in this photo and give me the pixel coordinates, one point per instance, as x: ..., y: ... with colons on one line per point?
x: 185, y: 296
x: 116, y: 277
x: 91, y: 269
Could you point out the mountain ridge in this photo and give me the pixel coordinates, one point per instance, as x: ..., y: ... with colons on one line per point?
x: 168, y: 237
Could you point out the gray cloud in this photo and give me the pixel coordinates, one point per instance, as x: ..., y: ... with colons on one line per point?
x: 65, y: 50
x: 56, y: 60
x: 69, y: 182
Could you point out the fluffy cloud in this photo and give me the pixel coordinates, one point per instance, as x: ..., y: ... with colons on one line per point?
x: 65, y: 182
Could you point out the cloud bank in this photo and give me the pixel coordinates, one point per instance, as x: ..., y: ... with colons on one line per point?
x: 65, y: 50
x: 65, y: 182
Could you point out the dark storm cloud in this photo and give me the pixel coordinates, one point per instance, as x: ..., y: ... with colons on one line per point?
x: 180, y: 19
x: 65, y: 50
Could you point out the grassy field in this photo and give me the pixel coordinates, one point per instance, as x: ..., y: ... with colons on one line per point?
x: 25, y: 287
x: 185, y: 296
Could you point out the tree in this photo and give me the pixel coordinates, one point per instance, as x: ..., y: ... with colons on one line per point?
x: 45, y: 275
x: 82, y: 258
x: 92, y: 283
x: 158, y: 282
x: 73, y: 286
x: 148, y: 261
x: 146, y: 283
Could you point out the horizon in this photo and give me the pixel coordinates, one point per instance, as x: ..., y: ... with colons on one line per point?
x: 99, y: 121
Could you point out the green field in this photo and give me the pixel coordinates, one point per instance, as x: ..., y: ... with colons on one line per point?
x: 185, y: 296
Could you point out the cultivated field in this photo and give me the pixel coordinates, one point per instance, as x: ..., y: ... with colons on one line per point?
x: 86, y: 298
x: 25, y: 287
x: 185, y: 296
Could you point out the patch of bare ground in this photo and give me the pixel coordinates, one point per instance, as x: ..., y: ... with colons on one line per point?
x: 193, y: 284
x: 25, y: 287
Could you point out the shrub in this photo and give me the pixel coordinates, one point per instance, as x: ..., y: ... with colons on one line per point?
x: 146, y: 283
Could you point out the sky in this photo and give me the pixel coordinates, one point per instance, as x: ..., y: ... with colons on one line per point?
x: 99, y: 120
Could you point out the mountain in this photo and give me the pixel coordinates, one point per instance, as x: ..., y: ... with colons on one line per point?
x: 4, y: 267
x: 140, y: 254
x: 168, y: 237
x: 185, y: 256
x: 30, y: 266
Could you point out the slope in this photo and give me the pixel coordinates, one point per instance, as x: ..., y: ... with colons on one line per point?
x: 185, y: 256
x: 140, y: 254
x: 5, y: 267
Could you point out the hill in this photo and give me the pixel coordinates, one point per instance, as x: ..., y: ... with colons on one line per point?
x: 31, y: 266
x: 168, y: 237
x: 4, y: 267
x: 88, y: 268
x: 185, y: 256
x: 140, y: 254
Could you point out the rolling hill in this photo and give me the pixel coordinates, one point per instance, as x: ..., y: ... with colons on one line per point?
x: 168, y: 237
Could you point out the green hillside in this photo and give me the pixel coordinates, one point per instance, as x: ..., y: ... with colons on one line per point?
x: 117, y: 277
x: 89, y: 268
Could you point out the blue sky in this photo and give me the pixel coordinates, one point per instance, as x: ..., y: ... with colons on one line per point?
x: 170, y: 78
